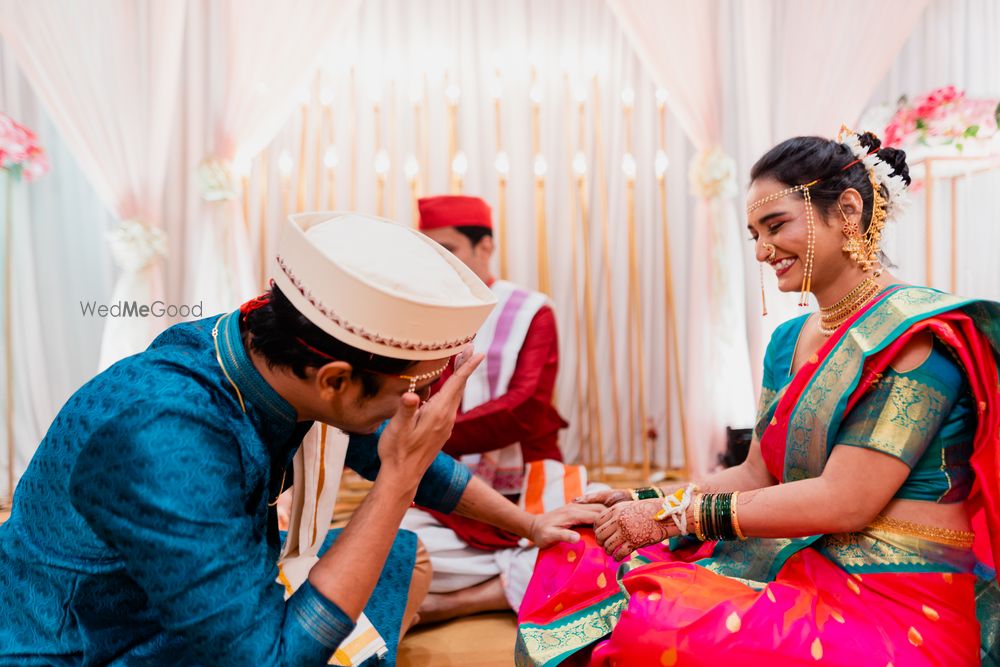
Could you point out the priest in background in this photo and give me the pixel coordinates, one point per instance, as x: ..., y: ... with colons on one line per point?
x: 506, y: 421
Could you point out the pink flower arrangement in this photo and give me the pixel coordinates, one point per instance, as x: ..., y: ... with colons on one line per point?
x: 20, y: 153
x: 944, y: 116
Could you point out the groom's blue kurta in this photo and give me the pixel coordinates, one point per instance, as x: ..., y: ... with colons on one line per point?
x: 141, y: 530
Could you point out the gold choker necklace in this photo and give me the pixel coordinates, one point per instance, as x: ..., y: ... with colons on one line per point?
x: 831, y: 318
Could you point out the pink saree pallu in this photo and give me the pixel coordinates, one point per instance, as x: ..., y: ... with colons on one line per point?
x: 879, y: 596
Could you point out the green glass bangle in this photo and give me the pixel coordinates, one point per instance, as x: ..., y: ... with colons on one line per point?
x: 724, y: 518
x: 646, y: 492
x: 710, y: 533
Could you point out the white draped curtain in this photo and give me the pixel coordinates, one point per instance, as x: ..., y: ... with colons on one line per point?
x: 107, y: 72
x: 263, y: 55
x: 59, y: 259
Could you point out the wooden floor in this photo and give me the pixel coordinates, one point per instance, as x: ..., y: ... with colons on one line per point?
x: 484, y: 640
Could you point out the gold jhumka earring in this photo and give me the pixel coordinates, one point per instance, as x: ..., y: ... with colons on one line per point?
x: 864, y: 248
x: 771, y: 252
x: 810, y: 231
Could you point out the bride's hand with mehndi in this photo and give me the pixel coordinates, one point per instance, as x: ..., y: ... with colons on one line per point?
x: 628, y: 526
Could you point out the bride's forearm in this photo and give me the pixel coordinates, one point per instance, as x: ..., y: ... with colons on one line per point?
x: 743, y: 477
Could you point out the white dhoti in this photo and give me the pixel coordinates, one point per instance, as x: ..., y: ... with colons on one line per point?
x: 458, y: 566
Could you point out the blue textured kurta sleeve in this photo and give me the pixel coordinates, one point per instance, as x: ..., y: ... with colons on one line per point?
x: 441, y: 487
x: 168, y: 497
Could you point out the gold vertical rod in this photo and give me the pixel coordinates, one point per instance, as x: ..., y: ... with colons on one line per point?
x: 245, y: 200
x: 595, y: 422
x: 321, y: 141
x: 541, y: 236
x: 929, y: 223
x: 501, y: 190
x: 661, y: 142
x: 262, y: 237
x: 8, y: 330
x: 541, y: 232
x: 630, y: 331
x: 300, y: 180
x: 502, y: 224
x: 954, y: 234
x: 391, y: 118
x: 353, y: 129
x: 672, y: 351
x: 424, y: 133
x: 635, y: 300
x: 331, y: 183
x: 585, y: 439
x: 379, y: 178
x: 597, y: 429
x: 602, y: 192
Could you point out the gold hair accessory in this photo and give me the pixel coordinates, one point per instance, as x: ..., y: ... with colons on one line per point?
x: 864, y: 248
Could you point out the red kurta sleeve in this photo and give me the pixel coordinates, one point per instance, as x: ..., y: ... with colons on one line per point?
x: 525, y: 413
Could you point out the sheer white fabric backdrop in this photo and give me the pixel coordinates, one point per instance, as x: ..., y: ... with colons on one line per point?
x: 62, y: 256
x: 114, y: 105
x: 679, y: 43
x: 394, y: 43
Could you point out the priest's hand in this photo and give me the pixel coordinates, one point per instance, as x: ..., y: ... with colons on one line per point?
x: 416, y: 433
x: 629, y: 526
x: 606, y: 497
x: 551, y: 527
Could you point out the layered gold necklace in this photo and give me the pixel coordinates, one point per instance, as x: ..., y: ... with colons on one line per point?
x: 831, y: 318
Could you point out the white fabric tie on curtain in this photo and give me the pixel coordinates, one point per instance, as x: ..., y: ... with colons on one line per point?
x: 137, y: 250
x: 678, y: 43
x: 115, y: 107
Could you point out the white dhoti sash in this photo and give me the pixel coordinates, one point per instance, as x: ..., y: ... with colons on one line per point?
x: 500, y: 339
x: 318, y: 466
x: 547, y: 485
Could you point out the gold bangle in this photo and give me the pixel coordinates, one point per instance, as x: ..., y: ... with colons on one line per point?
x: 697, y: 516
x: 732, y: 516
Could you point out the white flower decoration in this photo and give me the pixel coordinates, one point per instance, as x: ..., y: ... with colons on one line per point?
x: 713, y: 174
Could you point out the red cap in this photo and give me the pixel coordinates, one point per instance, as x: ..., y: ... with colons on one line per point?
x: 453, y: 211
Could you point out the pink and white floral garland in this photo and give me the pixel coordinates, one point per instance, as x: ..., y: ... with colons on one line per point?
x: 20, y: 152
x: 943, y: 117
